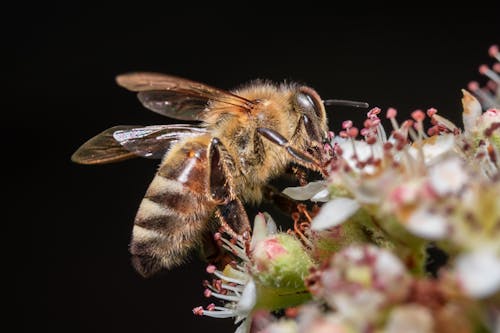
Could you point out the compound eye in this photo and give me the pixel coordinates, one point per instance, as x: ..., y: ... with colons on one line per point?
x: 309, y: 101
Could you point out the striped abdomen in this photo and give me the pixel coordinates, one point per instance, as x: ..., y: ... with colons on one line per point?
x: 174, y: 212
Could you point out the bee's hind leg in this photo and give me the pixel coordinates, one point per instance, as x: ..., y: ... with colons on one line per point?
x: 230, y: 211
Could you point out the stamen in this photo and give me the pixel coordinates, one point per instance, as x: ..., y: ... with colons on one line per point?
x: 353, y: 132
x: 493, y: 52
x: 374, y: 112
x: 327, y: 148
x: 375, y: 121
x: 486, y: 98
x: 236, y: 289
x: 347, y: 124
x: 431, y: 112
x: 391, y: 115
x: 485, y: 70
x: 371, y: 140
x: 217, y: 285
x: 492, y: 85
x: 219, y: 312
x: 382, y: 135
x: 221, y: 276
x: 225, y: 297
x: 413, y: 133
x: 418, y: 115
x: 198, y: 311
x: 434, y: 130
x: 237, y: 249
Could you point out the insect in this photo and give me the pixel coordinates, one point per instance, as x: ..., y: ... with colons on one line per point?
x: 241, y: 139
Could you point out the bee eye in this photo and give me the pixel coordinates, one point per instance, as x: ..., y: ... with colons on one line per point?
x: 305, y: 101
x: 308, y: 100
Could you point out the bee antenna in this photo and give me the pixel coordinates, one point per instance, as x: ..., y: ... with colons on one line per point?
x: 345, y: 102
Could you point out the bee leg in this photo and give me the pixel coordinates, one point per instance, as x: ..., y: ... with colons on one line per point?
x: 302, y: 157
x: 230, y: 211
x: 300, y: 174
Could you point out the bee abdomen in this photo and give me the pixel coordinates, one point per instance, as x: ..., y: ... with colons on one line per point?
x: 168, y: 224
x: 174, y: 212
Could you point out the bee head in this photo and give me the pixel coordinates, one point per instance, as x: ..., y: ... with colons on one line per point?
x: 312, y: 115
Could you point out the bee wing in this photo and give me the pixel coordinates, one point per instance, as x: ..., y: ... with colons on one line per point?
x: 124, y: 142
x: 176, y: 97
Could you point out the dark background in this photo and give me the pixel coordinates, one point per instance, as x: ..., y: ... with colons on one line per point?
x: 72, y: 223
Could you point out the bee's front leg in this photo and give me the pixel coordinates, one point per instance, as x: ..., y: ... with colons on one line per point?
x: 230, y: 211
x: 301, y: 157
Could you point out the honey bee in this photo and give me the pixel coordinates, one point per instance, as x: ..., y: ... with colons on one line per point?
x: 241, y: 140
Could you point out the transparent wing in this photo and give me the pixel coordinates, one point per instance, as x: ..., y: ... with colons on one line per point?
x: 155, y: 141
x: 124, y: 142
x: 179, y: 98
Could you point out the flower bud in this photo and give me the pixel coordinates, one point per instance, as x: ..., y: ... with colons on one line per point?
x: 280, y: 265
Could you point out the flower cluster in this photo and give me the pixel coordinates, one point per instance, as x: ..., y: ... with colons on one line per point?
x: 360, y: 262
x: 270, y: 274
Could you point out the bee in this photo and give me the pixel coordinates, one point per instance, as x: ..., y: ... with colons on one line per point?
x: 239, y: 141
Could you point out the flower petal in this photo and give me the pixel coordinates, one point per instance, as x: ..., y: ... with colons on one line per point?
x: 259, y: 229
x: 410, y: 318
x: 427, y: 225
x: 389, y: 266
x: 486, y: 119
x: 271, y: 226
x: 305, y: 192
x: 334, y: 213
x: 448, y: 176
x: 472, y: 110
x: 434, y: 147
x: 358, y: 150
x: 321, y: 196
x: 248, y: 298
x: 479, y: 273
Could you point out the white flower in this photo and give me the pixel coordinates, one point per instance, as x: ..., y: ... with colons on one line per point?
x: 479, y: 272
x: 334, y: 213
x: 361, y: 280
x: 234, y: 286
x: 448, y: 176
x: 410, y: 318
x: 434, y: 147
x: 427, y: 224
x: 239, y: 296
x: 357, y: 150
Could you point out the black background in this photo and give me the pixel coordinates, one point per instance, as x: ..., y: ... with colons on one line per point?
x: 72, y: 223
